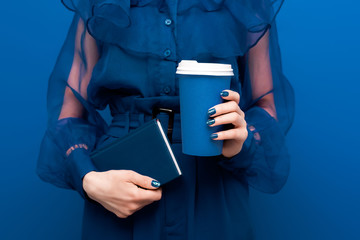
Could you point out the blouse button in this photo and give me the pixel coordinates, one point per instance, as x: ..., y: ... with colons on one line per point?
x: 167, y: 89
x: 168, y: 22
x: 167, y: 52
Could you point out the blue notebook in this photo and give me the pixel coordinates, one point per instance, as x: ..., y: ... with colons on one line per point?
x: 145, y: 150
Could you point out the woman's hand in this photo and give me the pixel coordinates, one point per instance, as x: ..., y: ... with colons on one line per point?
x: 229, y: 113
x: 122, y: 192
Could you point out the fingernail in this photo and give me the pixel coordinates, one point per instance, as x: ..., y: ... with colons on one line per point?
x: 155, y: 183
x: 211, y: 111
x: 210, y: 122
x: 224, y: 93
x: 213, y: 135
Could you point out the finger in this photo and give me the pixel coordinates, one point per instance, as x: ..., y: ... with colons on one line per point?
x: 143, y: 181
x: 226, y: 107
x: 230, y: 95
x: 147, y: 196
x: 236, y: 133
x: 228, y: 118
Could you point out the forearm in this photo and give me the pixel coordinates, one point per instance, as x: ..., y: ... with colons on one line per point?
x: 260, y: 76
x: 263, y: 161
x: 72, y: 131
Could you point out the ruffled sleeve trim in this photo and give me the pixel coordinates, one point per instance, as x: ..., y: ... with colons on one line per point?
x: 108, y: 14
x: 233, y: 25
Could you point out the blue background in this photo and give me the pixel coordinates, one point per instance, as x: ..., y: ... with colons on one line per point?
x: 320, y: 48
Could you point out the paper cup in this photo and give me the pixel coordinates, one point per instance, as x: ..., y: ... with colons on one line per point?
x: 200, y: 85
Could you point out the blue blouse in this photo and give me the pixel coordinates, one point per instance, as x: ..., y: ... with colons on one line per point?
x: 131, y: 68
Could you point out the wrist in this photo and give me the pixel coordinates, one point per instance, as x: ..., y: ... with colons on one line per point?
x: 89, y: 183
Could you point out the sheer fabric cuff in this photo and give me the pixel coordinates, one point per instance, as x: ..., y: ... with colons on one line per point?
x: 263, y: 162
x: 64, y: 154
x: 79, y: 164
x: 241, y: 161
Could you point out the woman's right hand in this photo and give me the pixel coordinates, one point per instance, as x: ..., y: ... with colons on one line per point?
x: 122, y: 192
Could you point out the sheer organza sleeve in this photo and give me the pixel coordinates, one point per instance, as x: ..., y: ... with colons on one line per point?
x: 268, y: 102
x: 73, y: 123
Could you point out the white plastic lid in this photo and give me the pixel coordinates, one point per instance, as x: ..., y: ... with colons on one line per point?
x: 192, y: 67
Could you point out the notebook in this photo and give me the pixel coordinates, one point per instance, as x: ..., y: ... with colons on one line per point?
x: 145, y: 150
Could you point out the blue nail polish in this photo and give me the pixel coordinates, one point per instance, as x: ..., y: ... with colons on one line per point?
x: 211, y: 111
x: 213, y: 135
x: 210, y: 122
x: 224, y: 93
x: 155, y: 183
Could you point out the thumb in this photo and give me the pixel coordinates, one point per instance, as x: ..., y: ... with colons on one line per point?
x: 143, y: 181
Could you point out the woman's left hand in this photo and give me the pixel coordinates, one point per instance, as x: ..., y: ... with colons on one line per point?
x: 229, y: 113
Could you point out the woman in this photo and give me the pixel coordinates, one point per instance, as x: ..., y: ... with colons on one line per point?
x: 124, y: 54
